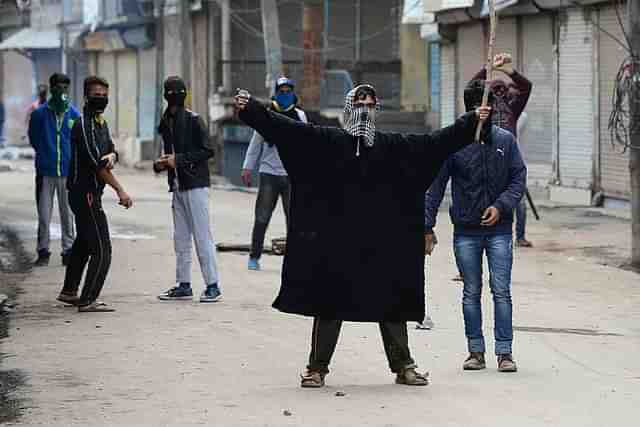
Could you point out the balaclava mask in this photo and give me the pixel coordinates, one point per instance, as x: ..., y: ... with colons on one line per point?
x: 284, y: 101
x: 360, y: 120
x: 59, y: 100
x: 175, y: 92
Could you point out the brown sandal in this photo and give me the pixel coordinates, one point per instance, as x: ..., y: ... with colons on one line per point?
x: 312, y: 379
x: 409, y: 376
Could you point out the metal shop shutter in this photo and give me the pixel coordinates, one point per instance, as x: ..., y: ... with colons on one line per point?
x: 448, y: 84
x: 506, y: 39
x: 471, y: 57
x: 614, y: 166
x: 575, y: 95
x: 536, y: 142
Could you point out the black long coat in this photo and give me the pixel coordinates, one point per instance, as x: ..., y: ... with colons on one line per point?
x: 355, y: 247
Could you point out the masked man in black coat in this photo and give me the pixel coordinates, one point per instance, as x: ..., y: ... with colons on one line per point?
x: 355, y: 248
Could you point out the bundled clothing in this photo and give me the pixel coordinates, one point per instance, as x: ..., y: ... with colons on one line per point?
x: 90, y: 140
x: 355, y: 248
x: 185, y: 135
x: 274, y: 183
x: 50, y: 136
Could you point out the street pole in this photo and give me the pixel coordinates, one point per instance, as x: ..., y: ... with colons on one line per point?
x: 312, y: 26
x: 272, y: 43
x: 159, y: 6
x: 187, y: 41
x: 226, y: 45
x: 633, y: 12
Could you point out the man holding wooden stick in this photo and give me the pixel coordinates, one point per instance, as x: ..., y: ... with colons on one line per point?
x: 488, y: 181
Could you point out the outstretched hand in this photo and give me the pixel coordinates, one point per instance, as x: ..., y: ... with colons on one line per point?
x: 241, y: 100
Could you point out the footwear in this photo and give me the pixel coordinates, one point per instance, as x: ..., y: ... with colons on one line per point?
x: 177, y: 293
x: 253, y: 264
x: 474, y: 362
x: 524, y: 243
x: 211, y: 294
x: 68, y: 299
x: 96, y: 307
x: 312, y: 379
x: 426, y: 324
x: 409, y: 376
x: 43, y: 258
x: 66, y: 258
x: 506, y: 363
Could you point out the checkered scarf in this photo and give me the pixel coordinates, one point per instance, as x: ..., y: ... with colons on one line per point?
x: 360, y: 121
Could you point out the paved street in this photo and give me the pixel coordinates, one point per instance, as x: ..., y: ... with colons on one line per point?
x: 236, y: 363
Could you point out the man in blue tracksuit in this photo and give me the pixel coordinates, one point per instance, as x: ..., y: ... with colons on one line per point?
x: 488, y: 182
x: 50, y: 135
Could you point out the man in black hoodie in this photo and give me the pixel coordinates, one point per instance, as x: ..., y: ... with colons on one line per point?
x: 186, y: 157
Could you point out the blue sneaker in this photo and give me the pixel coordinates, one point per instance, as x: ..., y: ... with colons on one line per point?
x: 211, y: 294
x: 254, y: 264
x: 177, y: 293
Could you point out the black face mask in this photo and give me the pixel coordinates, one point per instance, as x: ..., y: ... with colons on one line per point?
x: 175, y: 99
x: 97, y: 104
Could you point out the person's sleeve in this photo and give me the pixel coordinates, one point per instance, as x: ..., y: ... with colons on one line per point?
x: 509, y: 199
x: 202, y: 151
x: 32, y: 132
x: 523, y: 86
x: 434, y: 148
x: 434, y: 195
x: 279, y: 129
x: 253, y: 152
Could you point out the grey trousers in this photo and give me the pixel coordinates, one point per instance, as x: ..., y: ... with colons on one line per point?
x: 46, y: 188
x: 191, y: 223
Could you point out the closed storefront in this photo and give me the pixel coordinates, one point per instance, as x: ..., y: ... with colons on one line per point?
x: 471, y: 57
x: 614, y: 165
x: 447, y: 83
x: 575, y: 134
x: 537, y: 64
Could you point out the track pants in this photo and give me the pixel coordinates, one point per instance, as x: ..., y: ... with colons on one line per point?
x: 47, y: 187
x: 325, y: 337
x: 92, y: 245
x: 191, y: 223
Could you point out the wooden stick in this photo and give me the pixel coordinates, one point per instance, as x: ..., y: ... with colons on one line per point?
x: 493, y: 24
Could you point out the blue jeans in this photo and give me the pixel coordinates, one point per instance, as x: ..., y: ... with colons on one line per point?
x: 499, y: 250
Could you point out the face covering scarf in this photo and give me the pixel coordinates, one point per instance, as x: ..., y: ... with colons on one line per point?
x: 175, y: 92
x: 284, y: 101
x: 59, y: 101
x: 359, y: 121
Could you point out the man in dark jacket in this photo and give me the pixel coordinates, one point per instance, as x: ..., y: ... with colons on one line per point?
x: 355, y: 247
x: 93, y: 157
x: 509, y: 103
x: 488, y: 181
x: 186, y: 157
x: 50, y: 135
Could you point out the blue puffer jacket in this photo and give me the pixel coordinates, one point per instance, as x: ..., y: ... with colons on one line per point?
x: 52, y: 143
x: 482, y: 175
